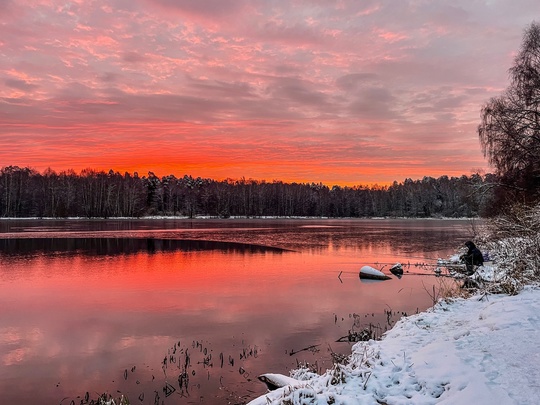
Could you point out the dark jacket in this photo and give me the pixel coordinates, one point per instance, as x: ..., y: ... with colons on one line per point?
x: 473, y: 255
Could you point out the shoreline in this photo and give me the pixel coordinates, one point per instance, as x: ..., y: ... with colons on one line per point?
x: 460, y: 351
x: 232, y: 218
x: 480, y: 347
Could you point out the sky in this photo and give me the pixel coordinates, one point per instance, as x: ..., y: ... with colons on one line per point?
x: 343, y: 92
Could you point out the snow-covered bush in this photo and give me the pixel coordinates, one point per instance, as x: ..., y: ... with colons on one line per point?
x: 514, y: 239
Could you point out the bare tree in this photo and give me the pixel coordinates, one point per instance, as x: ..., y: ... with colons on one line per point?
x: 510, y: 124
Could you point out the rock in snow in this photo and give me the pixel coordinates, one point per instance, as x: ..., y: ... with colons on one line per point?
x: 275, y: 381
x: 371, y: 273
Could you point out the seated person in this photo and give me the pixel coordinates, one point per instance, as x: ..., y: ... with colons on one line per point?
x: 472, y: 258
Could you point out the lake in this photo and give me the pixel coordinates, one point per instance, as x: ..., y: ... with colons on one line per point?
x: 192, y: 311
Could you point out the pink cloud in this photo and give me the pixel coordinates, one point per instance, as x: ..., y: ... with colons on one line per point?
x: 343, y: 92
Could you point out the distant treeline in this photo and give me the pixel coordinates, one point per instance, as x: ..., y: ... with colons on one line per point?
x: 25, y: 192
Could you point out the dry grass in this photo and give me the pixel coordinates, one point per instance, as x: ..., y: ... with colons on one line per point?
x: 514, y: 240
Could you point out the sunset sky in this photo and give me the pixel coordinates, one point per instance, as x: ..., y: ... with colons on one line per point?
x: 341, y: 92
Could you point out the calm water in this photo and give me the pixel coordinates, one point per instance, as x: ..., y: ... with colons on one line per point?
x: 190, y: 311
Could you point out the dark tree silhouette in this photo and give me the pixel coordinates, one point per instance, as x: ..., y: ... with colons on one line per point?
x: 99, y: 194
x: 510, y: 125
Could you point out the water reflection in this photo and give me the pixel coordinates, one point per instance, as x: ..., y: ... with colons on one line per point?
x: 115, y: 246
x: 109, y: 314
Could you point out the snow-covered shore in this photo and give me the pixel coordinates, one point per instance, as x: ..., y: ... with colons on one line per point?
x: 483, y: 349
x: 480, y: 350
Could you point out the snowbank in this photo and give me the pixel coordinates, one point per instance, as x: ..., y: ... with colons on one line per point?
x: 481, y: 350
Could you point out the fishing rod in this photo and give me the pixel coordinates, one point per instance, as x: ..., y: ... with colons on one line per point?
x: 408, y: 264
x: 440, y: 262
x: 418, y: 264
x: 418, y: 257
x: 434, y: 274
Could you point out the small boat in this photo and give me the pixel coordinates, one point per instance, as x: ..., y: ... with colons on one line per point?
x: 370, y: 273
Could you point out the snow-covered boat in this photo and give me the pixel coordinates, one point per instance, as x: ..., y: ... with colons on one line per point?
x: 370, y: 273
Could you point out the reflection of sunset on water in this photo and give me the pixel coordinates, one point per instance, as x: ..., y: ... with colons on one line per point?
x: 79, y: 318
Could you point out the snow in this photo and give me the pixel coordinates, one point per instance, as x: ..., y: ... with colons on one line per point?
x: 370, y: 272
x: 481, y: 350
x: 478, y: 350
x: 278, y: 380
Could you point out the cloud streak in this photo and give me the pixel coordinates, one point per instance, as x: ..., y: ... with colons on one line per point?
x: 344, y: 93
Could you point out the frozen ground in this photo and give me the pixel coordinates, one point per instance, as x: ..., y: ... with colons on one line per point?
x: 481, y: 350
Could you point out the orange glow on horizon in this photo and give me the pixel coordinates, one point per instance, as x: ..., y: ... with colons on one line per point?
x: 206, y: 171
x: 339, y: 95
